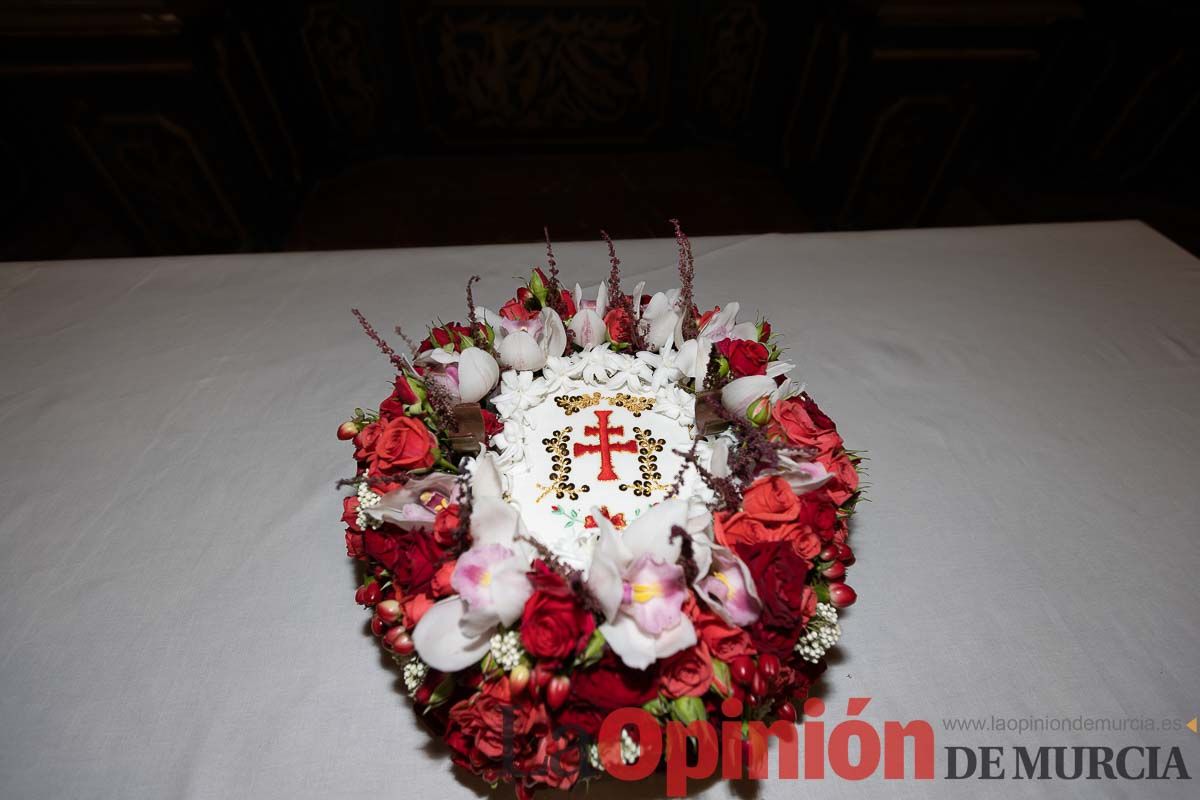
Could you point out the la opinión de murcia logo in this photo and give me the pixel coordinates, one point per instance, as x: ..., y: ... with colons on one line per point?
x: 632, y: 745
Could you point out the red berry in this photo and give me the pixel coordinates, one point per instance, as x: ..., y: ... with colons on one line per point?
x: 829, y: 553
x: 742, y: 670
x: 360, y: 595
x: 518, y: 679
x: 557, y: 691
x: 388, y: 611
x: 398, y: 641
x: 347, y: 430
x: 845, y: 554
x: 841, y: 595
x: 423, y: 694
x: 835, y: 571
x: 786, y: 711
x: 768, y: 667
x: 758, y: 686
x: 371, y: 594
x: 377, y: 626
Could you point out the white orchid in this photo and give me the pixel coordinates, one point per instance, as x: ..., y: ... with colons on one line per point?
x: 738, y: 395
x: 467, y: 377
x: 416, y: 504
x: 526, y: 344
x: 490, y: 579
x: 640, y: 586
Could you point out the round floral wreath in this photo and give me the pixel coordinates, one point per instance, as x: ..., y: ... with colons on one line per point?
x: 726, y: 580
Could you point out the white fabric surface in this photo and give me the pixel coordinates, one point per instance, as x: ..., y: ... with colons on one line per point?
x: 176, y: 607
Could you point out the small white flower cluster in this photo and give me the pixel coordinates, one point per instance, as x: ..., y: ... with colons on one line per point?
x: 507, y: 650
x: 823, y: 633
x: 366, y: 499
x: 415, y: 671
x: 630, y: 751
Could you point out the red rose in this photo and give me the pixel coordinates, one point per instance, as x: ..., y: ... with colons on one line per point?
x: 475, y: 728
x: 723, y: 640
x: 619, y: 324
x: 402, y: 396
x: 801, y: 422
x: 788, y: 601
x: 688, y: 673
x: 354, y: 545
x: 771, y: 512
x: 744, y: 356
x: 845, y: 478
x: 553, y: 625
x: 568, y: 302
x: 610, y: 684
x: 445, y: 525
x: 491, y: 423
x: 418, y: 559
x: 413, y: 607
x: 396, y: 444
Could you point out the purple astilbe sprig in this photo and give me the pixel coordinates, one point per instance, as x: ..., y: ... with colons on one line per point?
x: 687, y: 556
x: 414, y: 347
x: 373, y: 480
x: 398, y: 361
x: 462, y: 531
x: 477, y: 331
x: 440, y: 401
x: 729, y: 495
x: 754, y: 451
x: 618, y: 299
x: 687, y: 282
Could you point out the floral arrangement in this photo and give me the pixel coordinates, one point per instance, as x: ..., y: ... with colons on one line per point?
x: 593, y: 501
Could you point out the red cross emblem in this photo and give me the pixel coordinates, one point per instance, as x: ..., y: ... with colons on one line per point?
x: 605, y: 446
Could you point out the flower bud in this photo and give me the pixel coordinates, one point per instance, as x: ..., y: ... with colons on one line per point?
x: 518, y: 679
x: 398, y: 641
x: 835, y: 571
x: 841, y: 595
x: 348, y: 430
x: 478, y: 373
x: 759, y: 411
x: 557, y: 691
x: 388, y: 611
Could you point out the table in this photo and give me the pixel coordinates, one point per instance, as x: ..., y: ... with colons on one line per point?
x: 176, y: 608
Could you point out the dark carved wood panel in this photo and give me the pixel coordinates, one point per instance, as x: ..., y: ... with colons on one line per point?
x: 555, y: 71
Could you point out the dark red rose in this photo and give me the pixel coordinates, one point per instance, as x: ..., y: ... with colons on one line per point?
x: 610, y: 684
x: 780, y: 575
x: 382, y: 547
x: 688, y: 673
x: 764, y: 331
x: 582, y: 715
x: 396, y: 444
x: 475, y: 727
x: 568, y: 301
x: 553, y: 625
x: 744, y: 356
x: 619, y: 324
x: 491, y: 423
x: 801, y: 422
x: 418, y: 559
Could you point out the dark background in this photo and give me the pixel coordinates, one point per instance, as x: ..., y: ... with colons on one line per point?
x: 143, y: 127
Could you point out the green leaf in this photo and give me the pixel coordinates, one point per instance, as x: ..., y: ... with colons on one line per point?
x: 593, y: 652
x: 537, y: 287
x: 822, y: 590
x: 721, y: 677
x: 442, y: 693
x: 688, y: 709
x: 657, y: 707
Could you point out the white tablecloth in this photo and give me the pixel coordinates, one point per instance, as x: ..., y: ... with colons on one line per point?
x: 176, y: 607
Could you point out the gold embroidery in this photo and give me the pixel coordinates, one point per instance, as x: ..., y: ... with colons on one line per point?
x: 574, y: 403
x: 648, y: 450
x: 634, y: 405
x: 560, y: 470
